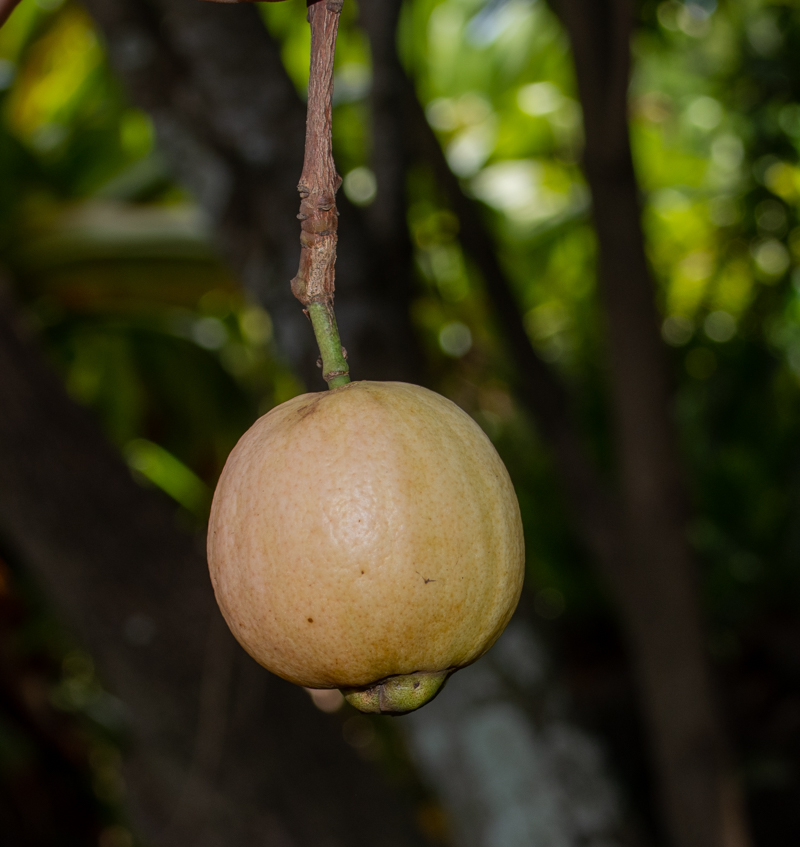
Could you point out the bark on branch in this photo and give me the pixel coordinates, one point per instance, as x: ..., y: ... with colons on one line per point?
x: 315, y: 280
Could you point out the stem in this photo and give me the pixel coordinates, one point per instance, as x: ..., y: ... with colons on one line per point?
x: 315, y: 281
x: 334, y: 364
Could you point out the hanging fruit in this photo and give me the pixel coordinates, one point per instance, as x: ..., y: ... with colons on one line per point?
x: 366, y: 538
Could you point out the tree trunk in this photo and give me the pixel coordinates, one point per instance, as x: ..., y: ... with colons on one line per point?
x: 386, y: 216
x: 656, y: 588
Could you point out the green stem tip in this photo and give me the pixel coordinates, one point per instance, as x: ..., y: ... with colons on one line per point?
x: 335, y: 369
x: 397, y: 695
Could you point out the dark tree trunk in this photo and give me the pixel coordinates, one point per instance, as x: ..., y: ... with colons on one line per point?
x: 656, y: 585
x: 387, y: 214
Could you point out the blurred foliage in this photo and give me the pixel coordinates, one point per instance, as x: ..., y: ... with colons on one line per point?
x: 149, y: 329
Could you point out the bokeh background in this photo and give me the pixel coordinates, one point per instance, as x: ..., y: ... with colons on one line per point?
x: 149, y: 153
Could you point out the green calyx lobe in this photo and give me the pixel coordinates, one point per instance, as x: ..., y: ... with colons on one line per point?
x: 397, y: 695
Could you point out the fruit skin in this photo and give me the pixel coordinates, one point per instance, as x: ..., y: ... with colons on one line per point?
x: 365, y: 533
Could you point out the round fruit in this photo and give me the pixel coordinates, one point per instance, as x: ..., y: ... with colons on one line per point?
x: 366, y: 538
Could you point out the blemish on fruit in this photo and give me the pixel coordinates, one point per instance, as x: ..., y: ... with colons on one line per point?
x: 309, y: 409
x: 311, y: 620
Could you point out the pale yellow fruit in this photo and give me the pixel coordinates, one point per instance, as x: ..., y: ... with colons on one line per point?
x: 364, y: 534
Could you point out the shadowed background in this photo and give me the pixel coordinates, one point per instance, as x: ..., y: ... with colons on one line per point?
x: 577, y: 220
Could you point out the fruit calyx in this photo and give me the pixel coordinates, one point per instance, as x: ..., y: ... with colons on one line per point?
x: 397, y: 695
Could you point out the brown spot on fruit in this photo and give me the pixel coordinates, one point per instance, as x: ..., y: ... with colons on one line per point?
x: 309, y: 408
